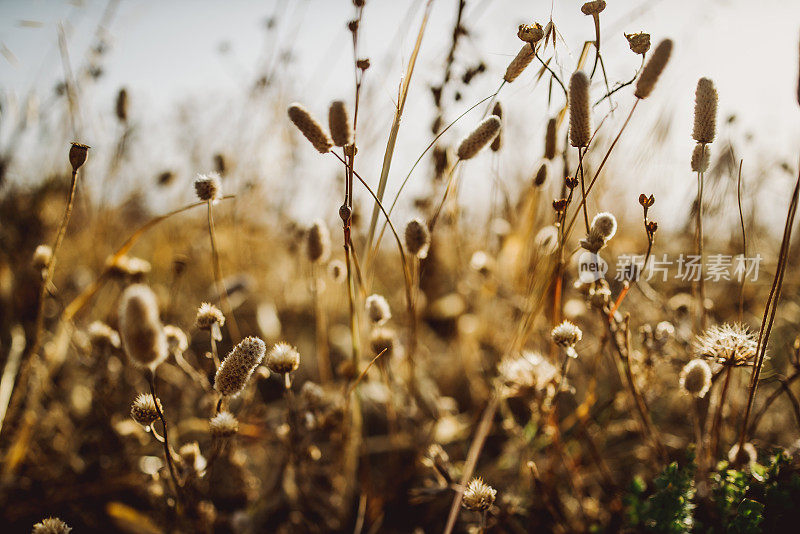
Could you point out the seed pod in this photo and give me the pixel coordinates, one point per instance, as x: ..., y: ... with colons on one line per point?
x: 378, y: 309
x: 339, y: 123
x: 550, y: 139
x: 236, y: 368
x: 143, y: 409
x: 705, y: 111
x: 497, y: 144
x: 140, y: 328
x: 418, y: 238
x: 653, y: 69
x: 42, y: 256
x: 283, y: 358
x: 318, y: 242
x: 310, y: 128
x: 518, y: 64
x: 530, y: 33
x: 594, y: 7
x: 639, y: 43
x: 478, y: 496
x: 580, y: 118
x: 479, y: 138
x: 122, y: 105
x: 701, y: 155
x: 208, y: 186
x: 77, y: 155
x: 541, y: 174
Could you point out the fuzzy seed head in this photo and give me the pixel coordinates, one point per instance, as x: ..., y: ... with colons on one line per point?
x: 729, y: 344
x: 705, y: 111
x: 605, y: 224
x: 51, y: 525
x: 42, y: 256
x: 207, y: 316
x: 550, y: 139
x: 594, y: 7
x: 223, y: 425
x: 479, y: 138
x: 696, y: 378
x: 418, y: 238
x: 283, y: 358
x: 339, y: 123
x: 518, y: 64
x: 129, y: 267
x: 378, y: 309
x: 236, y: 368
x: 310, y: 128
x: 478, y: 496
x: 580, y: 127
x: 497, y: 144
x: 653, y: 69
x: 140, y: 328
x: 208, y: 186
x: 102, y: 336
x: 638, y: 42
x: 176, y: 339
x: 318, y: 242
x: 701, y: 155
x: 566, y: 334
x: 143, y: 409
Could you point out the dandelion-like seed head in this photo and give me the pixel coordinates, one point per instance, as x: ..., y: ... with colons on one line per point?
x: 207, y: 316
x: 208, y: 186
x: 478, y: 496
x: 223, y: 425
x: 51, y: 525
x: 696, y: 378
x: 566, y: 334
x: 733, y: 345
x: 283, y: 358
x: 418, y: 238
x: 378, y: 309
x: 143, y: 409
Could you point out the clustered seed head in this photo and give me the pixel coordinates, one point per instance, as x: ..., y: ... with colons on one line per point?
x: 176, y: 339
x: 701, y: 156
x: 318, y: 242
x: 478, y: 496
x: 566, y: 334
x: 550, y: 139
x: 580, y: 117
x: 339, y: 123
x: 51, y: 525
x: 696, y: 378
x: 236, y: 368
x: 729, y: 344
x: 140, y: 327
x: 594, y: 7
x: 143, y: 409
x: 378, y: 309
x: 207, y: 316
x: 103, y: 336
x: 497, y: 144
x: 223, y: 425
x: 653, y: 69
x: 208, y: 186
x: 518, y: 64
x: 383, y: 339
x: 418, y: 238
x: 42, y: 256
x: 705, y: 111
x: 283, y: 358
x: 310, y: 128
x: 77, y: 155
x: 638, y: 42
x: 479, y: 138
x: 530, y: 33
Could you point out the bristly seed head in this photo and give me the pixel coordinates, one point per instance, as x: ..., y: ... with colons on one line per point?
x: 580, y: 127
x: 223, y: 425
x: 143, y: 409
x: 208, y: 186
x: 51, y: 525
x: 207, y: 316
x: 479, y: 138
x: 653, y: 69
x: 339, y: 124
x: 728, y: 344
x: 566, y: 334
x: 140, y: 327
x: 478, y: 496
x: 283, y: 358
x: 236, y: 368
x: 418, y: 238
x: 705, y: 111
x: 701, y: 156
x: 318, y: 242
x: 696, y: 378
x: 518, y: 64
x: 310, y: 128
x: 378, y: 309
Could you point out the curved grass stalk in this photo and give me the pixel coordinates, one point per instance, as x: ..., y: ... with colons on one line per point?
x: 233, y: 328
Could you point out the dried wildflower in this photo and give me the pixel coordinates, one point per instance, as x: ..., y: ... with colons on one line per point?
x: 310, y: 128
x: 42, y: 256
x: 208, y: 187
x: 140, y: 327
x: 337, y: 271
x: 580, y: 127
x: 638, y: 42
x: 363, y: 63
x: 530, y: 33
x: 209, y: 315
x: 518, y: 64
x: 176, y: 339
x: 497, y: 143
x: 566, y: 334
x: 223, y: 425
x: 77, y: 155
x: 283, y: 358
x: 594, y: 7
x: 383, y: 340
x: 653, y: 69
x: 103, y: 336
x: 339, y: 124
x: 378, y: 309
x: 51, y: 525
x: 701, y: 155
x: 144, y: 410
x: 478, y: 496
x: 528, y: 372
x: 729, y: 344
x: 550, y: 139
x: 705, y: 111
x: 236, y: 368
x: 418, y: 238
x: 696, y: 378
x: 664, y: 331
x: 479, y: 138
x: 318, y: 242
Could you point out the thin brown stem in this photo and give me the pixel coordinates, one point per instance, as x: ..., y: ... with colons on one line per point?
x: 151, y: 378
x: 233, y: 328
